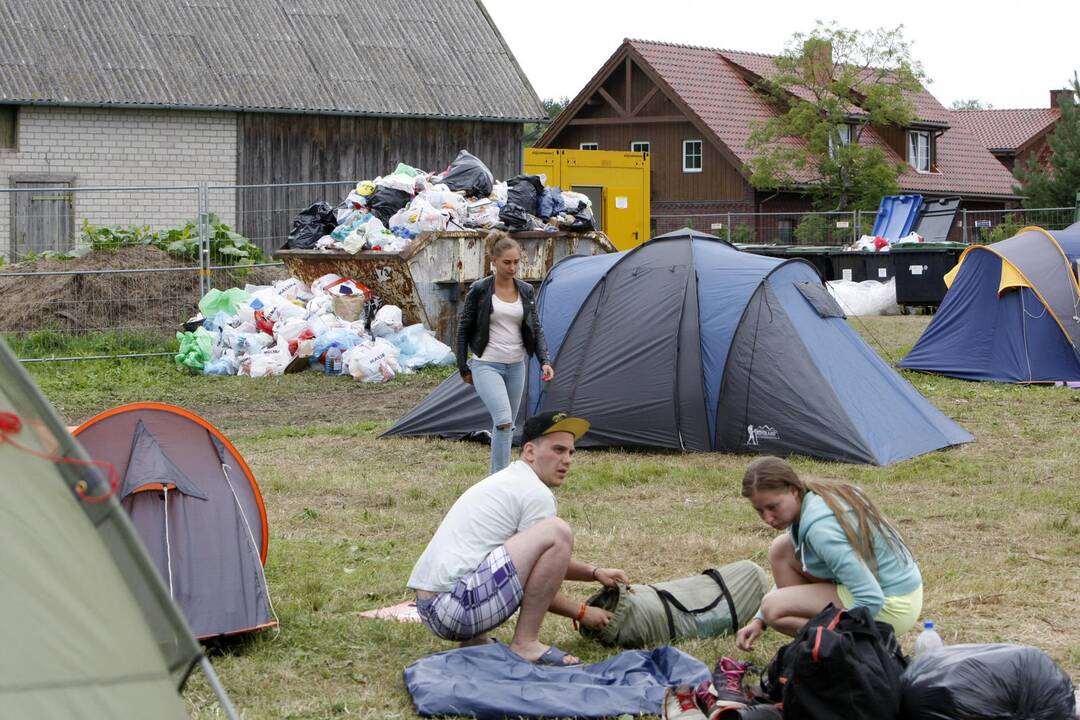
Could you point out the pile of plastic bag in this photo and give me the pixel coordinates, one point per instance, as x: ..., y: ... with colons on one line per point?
x: 877, y: 243
x: 386, y: 213
x: 264, y: 330
x: 869, y: 297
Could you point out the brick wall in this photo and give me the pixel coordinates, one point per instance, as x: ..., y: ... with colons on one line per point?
x: 122, y: 148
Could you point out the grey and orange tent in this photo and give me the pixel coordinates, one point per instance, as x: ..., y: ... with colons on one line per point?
x: 197, y: 508
x: 88, y: 627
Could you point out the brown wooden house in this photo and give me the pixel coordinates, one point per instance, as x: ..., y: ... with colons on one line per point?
x: 1014, y: 136
x: 692, y: 108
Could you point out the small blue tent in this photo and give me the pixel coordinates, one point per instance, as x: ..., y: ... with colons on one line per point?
x: 1011, y: 313
x: 687, y: 343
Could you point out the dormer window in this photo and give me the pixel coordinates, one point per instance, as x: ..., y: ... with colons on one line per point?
x: 843, y: 132
x: 918, y: 153
x: 589, y: 146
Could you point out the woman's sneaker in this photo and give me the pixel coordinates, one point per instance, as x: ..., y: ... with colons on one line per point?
x: 679, y: 704
x: 727, y: 684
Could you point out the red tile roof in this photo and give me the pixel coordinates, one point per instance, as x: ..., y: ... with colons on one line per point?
x: 713, y: 84
x: 1006, y: 129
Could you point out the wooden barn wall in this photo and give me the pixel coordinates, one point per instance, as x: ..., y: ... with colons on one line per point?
x: 277, y: 148
x: 718, y: 180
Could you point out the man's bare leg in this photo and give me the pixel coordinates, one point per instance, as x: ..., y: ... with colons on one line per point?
x: 541, y: 556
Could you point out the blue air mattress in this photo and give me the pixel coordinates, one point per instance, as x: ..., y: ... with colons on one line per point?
x: 491, y: 682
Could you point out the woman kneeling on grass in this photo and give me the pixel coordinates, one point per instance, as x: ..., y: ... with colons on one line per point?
x: 839, y: 549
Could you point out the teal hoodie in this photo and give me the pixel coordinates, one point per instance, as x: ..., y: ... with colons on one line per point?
x: 824, y: 552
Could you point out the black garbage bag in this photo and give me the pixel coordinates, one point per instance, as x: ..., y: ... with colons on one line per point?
x: 386, y: 201
x: 524, y: 190
x: 986, y: 682
x: 583, y: 219
x: 309, y: 225
x: 468, y: 173
x: 514, y: 217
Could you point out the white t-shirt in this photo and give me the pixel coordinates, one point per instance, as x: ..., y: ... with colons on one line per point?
x: 483, y: 518
x: 504, y: 334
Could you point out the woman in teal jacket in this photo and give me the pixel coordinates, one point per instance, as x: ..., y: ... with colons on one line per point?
x: 838, y: 549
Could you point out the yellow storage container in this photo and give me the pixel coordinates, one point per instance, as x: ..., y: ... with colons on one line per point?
x: 616, y: 182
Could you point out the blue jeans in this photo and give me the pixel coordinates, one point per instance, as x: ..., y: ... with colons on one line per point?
x: 500, y: 386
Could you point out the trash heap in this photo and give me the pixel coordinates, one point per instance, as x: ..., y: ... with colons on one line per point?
x: 877, y: 243
x: 386, y: 213
x: 265, y: 330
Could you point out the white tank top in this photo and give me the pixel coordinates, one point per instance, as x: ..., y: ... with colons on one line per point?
x: 504, y: 335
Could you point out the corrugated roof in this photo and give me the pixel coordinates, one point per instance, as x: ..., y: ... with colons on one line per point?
x: 1006, y: 129
x: 441, y: 59
x: 712, y: 83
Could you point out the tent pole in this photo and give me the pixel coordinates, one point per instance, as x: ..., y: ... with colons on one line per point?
x: 215, y: 683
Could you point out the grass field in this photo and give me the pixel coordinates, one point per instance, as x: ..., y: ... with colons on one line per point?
x: 995, y: 525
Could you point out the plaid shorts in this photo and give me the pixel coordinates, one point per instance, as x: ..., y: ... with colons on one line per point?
x: 478, y: 602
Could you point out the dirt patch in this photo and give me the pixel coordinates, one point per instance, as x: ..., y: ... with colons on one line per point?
x: 95, y: 300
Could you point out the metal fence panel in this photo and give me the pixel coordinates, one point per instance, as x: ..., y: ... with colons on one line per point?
x: 80, y: 261
x: 774, y: 228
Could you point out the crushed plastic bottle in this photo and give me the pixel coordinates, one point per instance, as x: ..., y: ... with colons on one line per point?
x: 928, y: 640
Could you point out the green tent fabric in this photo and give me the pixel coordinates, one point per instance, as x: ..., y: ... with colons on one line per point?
x: 714, y: 603
x: 88, y: 628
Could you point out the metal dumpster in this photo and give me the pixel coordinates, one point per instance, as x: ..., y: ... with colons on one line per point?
x: 817, y: 255
x: 849, y: 265
x: 921, y: 269
x: 429, y: 278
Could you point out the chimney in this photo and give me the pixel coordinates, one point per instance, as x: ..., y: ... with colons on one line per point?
x: 818, y: 54
x: 1058, y: 98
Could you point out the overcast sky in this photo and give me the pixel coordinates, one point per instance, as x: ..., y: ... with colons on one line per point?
x: 1008, y: 54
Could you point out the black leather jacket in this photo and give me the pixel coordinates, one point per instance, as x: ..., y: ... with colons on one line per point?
x: 474, y: 323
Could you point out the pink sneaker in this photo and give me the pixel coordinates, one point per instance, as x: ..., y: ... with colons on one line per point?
x: 727, y: 684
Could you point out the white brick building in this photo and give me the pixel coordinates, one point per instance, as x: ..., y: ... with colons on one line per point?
x: 85, y: 148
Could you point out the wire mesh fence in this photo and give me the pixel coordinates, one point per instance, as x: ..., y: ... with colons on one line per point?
x: 115, y: 272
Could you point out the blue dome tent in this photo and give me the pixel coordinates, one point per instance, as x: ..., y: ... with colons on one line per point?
x: 1011, y: 312
x: 687, y: 343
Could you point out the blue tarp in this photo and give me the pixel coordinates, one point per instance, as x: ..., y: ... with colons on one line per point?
x: 896, y: 215
x: 489, y: 681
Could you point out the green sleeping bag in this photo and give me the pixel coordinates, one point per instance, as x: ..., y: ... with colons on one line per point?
x: 713, y: 603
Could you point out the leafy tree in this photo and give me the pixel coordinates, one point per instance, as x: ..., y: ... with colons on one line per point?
x: 1057, y: 185
x: 553, y: 106
x: 971, y: 104
x: 826, y: 80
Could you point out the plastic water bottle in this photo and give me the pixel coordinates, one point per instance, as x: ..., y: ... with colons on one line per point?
x: 332, y: 366
x: 928, y: 639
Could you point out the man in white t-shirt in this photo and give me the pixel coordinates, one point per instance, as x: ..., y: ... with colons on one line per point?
x: 502, y: 547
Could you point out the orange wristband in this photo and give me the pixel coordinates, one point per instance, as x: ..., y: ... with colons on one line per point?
x: 581, y: 612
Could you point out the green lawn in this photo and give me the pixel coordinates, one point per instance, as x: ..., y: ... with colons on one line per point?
x: 995, y: 524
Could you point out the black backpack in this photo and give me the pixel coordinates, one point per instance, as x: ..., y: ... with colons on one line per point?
x: 841, y: 666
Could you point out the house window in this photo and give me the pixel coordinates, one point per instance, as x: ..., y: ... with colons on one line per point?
x: 919, y: 149
x: 691, y: 156
x: 9, y: 127
x: 639, y: 147
x: 589, y: 146
x: 844, y: 133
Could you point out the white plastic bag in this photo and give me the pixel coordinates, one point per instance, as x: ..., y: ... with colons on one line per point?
x: 319, y: 286
x: 387, y: 321
x: 868, y: 297
x: 372, y: 361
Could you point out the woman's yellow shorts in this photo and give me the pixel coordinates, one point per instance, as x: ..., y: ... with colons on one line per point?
x: 900, y: 611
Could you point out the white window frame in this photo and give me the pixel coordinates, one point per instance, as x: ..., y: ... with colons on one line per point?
x: 589, y: 146
x: 646, y: 143
x: 914, y: 158
x: 699, y: 155
x: 845, y: 138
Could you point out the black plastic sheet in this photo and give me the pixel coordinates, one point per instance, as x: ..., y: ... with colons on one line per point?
x: 309, y: 225
x: 468, y: 173
x: 386, y: 201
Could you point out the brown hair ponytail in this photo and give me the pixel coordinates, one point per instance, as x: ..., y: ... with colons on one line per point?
x: 771, y: 474
x: 498, y: 242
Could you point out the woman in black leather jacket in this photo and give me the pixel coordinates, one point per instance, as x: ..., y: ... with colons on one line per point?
x: 499, y: 323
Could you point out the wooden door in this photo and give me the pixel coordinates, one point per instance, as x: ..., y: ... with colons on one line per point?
x: 43, y: 218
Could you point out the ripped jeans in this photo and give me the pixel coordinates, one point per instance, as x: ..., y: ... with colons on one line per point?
x: 500, y: 386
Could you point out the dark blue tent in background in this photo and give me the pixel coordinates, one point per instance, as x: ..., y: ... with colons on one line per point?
x: 1011, y: 313
x: 687, y: 343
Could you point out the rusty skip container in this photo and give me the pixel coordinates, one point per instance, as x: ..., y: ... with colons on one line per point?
x: 429, y: 278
